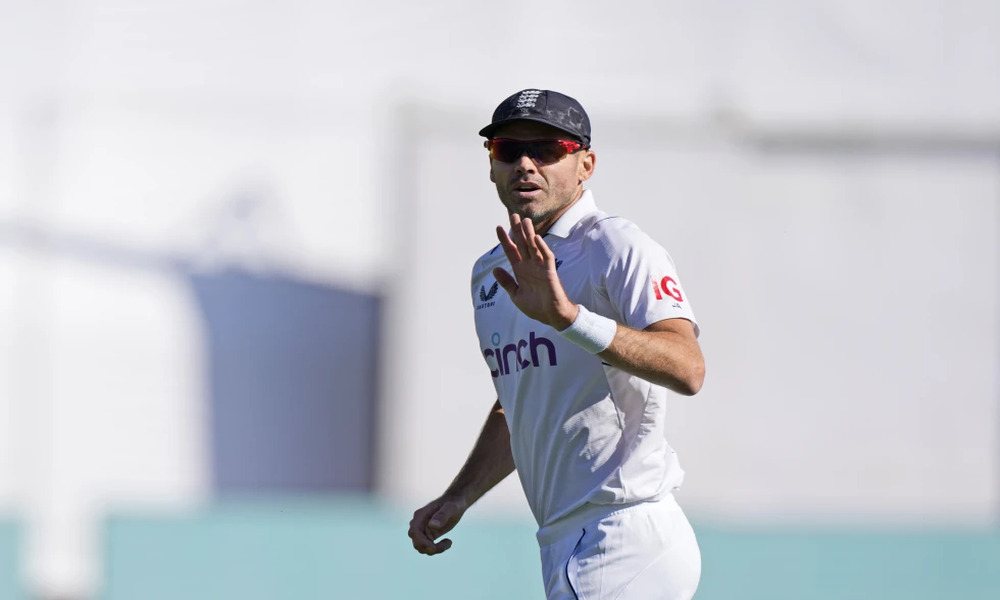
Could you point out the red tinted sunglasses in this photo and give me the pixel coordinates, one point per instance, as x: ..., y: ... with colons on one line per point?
x: 542, y: 151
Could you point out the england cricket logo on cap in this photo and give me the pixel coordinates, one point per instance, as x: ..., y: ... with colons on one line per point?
x: 528, y: 98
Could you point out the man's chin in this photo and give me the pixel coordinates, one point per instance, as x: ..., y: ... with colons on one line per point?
x: 528, y: 212
x: 530, y: 209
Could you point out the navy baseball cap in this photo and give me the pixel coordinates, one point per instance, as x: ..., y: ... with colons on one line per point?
x: 544, y: 106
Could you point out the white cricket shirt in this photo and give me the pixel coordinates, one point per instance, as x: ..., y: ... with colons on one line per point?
x: 582, y: 432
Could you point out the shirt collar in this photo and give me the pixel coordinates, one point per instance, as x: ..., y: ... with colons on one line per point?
x: 582, y: 207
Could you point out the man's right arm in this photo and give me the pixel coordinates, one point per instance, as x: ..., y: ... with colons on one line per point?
x: 488, y: 464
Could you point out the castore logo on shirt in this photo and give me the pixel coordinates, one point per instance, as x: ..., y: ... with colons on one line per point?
x: 487, y: 297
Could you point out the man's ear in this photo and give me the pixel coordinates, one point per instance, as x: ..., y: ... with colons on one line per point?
x: 585, y: 168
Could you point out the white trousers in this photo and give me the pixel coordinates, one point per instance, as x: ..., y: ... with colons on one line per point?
x: 643, y: 552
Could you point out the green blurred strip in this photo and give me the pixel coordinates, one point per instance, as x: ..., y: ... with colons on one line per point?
x: 828, y: 565
x: 359, y: 550
x: 342, y: 551
x: 10, y: 562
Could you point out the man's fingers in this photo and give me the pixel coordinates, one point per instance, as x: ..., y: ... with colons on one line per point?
x: 517, y: 233
x: 528, y: 231
x: 545, y: 252
x: 433, y: 549
x: 508, y: 245
x: 432, y: 521
x: 522, y: 242
x: 417, y: 526
x: 515, y: 221
x: 422, y: 543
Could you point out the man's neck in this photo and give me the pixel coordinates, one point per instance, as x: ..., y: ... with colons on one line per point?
x: 543, y: 227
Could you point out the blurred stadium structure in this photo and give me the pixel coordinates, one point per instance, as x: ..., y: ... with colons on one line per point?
x: 236, y: 345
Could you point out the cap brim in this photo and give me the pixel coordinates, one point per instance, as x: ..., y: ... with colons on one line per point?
x: 487, y: 132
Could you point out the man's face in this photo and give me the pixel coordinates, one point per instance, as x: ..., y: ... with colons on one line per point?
x: 541, y: 192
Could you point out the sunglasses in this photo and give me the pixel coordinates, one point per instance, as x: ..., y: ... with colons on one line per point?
x: 541, y: 151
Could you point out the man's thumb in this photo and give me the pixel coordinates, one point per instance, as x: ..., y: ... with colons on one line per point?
x: 506, y: 280
x: 439, y: 518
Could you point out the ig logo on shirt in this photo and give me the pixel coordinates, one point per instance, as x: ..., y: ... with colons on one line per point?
x: 667, y: 286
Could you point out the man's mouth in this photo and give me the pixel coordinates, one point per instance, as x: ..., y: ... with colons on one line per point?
x: 527, y: 189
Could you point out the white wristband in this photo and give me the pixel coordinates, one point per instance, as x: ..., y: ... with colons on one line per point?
x: 590, y: 331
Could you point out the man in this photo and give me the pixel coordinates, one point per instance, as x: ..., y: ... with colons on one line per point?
x: 583, y: 326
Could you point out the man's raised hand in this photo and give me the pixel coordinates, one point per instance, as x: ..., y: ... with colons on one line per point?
x: 534, y: 286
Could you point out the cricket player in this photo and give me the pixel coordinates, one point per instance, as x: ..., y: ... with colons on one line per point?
x: 583, y: 326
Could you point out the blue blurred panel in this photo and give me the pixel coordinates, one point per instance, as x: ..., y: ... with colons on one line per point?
x: 291, y: 380
x: 847, y: 565
x: 341, y: 551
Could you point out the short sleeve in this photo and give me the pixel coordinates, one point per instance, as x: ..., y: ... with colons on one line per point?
x: 639, y: 277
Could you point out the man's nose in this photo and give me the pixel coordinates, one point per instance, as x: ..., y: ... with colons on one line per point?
x: 525, y: 164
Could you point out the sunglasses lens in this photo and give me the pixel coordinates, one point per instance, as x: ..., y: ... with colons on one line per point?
x: 550, y: 152
x: 507, y: 151
x: 544, y: 151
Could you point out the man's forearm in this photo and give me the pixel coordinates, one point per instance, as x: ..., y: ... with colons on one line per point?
x: 489, y: 462
x: 667, y: 358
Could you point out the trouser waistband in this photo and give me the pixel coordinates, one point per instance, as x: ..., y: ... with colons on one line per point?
x: 581, y: 517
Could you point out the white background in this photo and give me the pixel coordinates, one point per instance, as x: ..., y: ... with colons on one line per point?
x: 824, y: 174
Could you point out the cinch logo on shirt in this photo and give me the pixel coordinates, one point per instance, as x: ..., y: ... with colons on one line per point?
x: 502, y: 360
x: 669, y: 287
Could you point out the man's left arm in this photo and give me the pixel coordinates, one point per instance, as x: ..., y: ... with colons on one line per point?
x: 666, y: 352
